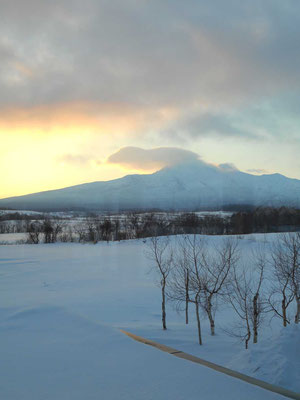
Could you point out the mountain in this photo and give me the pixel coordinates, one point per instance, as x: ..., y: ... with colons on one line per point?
x: 186, y: 186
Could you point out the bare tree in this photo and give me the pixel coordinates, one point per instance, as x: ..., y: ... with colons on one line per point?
x: 160, y: 254
x: 92, y: 229
x: 288, y: 257
x: 194, y: 255
x: 199, y: 275
x: 258, y: 303
x: 58, y: 227
x: 134, y: 224
x: 179, y: 285
x: 281, y: 294
x: 80, y: 231
x: 239, y: 296
x: 67, y: 235
x: 216, y: 266
x: 117, y: 233
x: 51, y: 229
x: 246, y: 299
x: 106, y: 229
x: 186, y: 280
x: 33, y: 232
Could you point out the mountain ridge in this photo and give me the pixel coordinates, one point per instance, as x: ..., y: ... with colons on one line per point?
x: 185, y: 186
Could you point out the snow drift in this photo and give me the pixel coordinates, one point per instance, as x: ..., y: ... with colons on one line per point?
x: 275, y: 360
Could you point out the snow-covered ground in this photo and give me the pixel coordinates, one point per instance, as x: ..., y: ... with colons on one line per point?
x: 12, y: 238
x: 275, y: 360
x: 62, y: 306
x: 22, y: 212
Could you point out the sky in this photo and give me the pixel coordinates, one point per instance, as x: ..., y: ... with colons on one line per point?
x: 97, y: 89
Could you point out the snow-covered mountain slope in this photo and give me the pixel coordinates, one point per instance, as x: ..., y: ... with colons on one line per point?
x: 194, y: 185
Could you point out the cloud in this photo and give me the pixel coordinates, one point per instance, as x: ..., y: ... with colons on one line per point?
x: 257, y: 171
x: 138, y: 158
x: 268, y: 119
x: 210, y: 124
x: 199, y: 59
x: 227, y: 167
x: 99, y: 118
x: 153, y: 53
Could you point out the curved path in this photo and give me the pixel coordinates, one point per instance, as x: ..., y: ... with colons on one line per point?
x: 216, y: 367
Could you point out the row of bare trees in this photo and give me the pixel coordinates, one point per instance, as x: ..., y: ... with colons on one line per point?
x: 46, y: 231
x: 191, y: 272
x: 134, y: 225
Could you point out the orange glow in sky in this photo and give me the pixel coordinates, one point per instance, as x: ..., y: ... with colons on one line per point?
x: 80, y: 82
x: 46, y: 148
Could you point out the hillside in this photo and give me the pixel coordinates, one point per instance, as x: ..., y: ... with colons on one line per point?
x: 187, y: 186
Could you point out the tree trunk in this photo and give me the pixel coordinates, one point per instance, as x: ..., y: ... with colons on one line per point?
x: 255, y: 318
x: 187, y: 298
x: 210, y: 316
x: 283, y: 309
x: 186, y: 311
x: 163, y: 307
x: 248, y: 335
x: 198, y: 321
x: 297, y: 316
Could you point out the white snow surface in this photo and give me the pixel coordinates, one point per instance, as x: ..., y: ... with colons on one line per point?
x: 23, y: 212
x: 12, y: 238
x: 276, y: 361
x: 62, y: 306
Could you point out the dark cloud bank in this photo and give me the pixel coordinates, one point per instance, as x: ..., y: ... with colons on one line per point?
x: 202, y: 58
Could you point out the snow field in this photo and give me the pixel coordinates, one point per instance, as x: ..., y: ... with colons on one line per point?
x: 61, y: 309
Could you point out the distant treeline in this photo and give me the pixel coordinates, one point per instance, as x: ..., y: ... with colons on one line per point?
x: 258, y: 220
x: 265, y: 219
x: 16, y: 216
x: 94, y: 228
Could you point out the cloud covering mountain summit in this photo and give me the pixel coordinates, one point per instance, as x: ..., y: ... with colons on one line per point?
x: 138, y: 158
x: 192, y: 185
